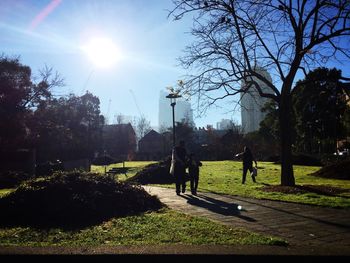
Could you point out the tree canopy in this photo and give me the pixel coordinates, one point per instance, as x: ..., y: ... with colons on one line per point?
x: 319, y: 107
x: 32, y: 117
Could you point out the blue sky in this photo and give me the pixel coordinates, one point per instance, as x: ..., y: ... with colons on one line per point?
x: 53, y: 32
x: 45, y: 32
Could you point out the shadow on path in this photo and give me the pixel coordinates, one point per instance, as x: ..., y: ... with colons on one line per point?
x: 217, y: 206
x: 286, y: 211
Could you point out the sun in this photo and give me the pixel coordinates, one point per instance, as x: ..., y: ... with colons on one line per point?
x: 102, y: 52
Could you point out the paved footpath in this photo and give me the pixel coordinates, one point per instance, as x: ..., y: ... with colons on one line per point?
x: 308, y: 229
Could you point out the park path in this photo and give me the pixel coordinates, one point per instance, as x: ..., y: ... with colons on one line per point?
x: 305, y: 226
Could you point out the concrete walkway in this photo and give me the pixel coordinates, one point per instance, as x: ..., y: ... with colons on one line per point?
x: 308, y: 229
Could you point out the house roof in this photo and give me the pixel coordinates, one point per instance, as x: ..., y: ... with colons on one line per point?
x: 151, y: 135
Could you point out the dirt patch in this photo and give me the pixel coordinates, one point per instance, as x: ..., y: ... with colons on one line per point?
x: 339, y: 170
x: 302, y: 189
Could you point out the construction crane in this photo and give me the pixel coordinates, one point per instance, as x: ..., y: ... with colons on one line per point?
x: 137, y: 106
x: 109, y: 107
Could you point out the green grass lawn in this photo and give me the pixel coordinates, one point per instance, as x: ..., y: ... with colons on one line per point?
x: 133, y: 168
x: 226, y: 177
x: 162, y: 227
x: 158, y: 227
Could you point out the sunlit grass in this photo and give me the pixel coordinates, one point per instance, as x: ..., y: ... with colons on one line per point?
x: 133, y: 168
x: 226, y: 177
x: 149, y: 228
x: 5, y: 191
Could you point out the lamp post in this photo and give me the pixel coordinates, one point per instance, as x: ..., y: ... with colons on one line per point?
x: 173, y: 96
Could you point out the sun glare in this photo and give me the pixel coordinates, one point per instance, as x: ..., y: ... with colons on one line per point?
x: 102, y: 52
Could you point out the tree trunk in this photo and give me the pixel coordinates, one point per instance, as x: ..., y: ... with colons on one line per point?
x: 287, y: 175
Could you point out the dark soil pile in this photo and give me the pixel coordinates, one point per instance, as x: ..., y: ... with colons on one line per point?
x: 338, y: 170
x: 73, y: 200
x: 300, y: 189
x: 156, y: 173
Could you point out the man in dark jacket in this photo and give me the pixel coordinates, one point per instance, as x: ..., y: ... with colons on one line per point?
x: 180, y: 156
x: 248, y: 159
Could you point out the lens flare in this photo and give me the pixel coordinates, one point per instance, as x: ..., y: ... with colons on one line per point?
x: 102, y: 52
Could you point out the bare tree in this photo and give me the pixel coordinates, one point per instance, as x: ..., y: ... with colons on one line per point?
x: 236, y: 39
x: 48, y: 80
x: 143, y: 126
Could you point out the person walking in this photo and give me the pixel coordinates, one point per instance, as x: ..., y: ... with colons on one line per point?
x: 193, y: 170
x: 248, y: 159
x: 180, y: 161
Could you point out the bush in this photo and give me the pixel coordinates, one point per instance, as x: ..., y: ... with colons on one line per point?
x: 11, y: 179
x: 48, y: 168
x: 299, y: 159
x: 156, y: 173
x: 72, y: 200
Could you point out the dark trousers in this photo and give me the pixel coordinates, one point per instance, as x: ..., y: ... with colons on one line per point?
x: 180, y: 179
x: 194, y: 178
x: 247, y: 168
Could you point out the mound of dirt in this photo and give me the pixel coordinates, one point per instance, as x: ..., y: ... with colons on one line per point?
x: 338, y: 170
x: 156, y: 173
x: 73, y: 200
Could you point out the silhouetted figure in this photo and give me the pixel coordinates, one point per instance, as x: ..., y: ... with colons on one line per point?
x: 180, y: 164
x: 193, y: 170
x: 248, y: 159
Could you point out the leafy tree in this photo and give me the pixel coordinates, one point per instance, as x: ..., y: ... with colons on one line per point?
x: 237, y: 40
x: 15, y: 86
x: 230, y: 143
x: 19, y: 95
x: 269, y: 127
x: 69, y: 127
x: 319, y: 107
x: 184, y: 131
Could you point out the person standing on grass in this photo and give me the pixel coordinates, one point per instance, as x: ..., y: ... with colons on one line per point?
x: 193, y: 170
x: 180, y: 164
x: 248, y: 159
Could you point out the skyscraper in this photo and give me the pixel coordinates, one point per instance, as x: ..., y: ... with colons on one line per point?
x: 252, y: 103
x: 183, y: 111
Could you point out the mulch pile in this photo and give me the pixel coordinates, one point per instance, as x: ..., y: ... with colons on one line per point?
x: 339, y: 170
x: 73, y: 200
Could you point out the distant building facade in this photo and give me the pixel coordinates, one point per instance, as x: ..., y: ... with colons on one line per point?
x: 224, y: 124
x: 152, y: 147
x: 183, y: 111
x: 252, y: 103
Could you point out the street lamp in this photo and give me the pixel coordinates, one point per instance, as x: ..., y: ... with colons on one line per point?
x: 173, y: 96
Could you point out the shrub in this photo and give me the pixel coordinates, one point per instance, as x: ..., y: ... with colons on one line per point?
x: 11, y: 179
x: 73, y: 199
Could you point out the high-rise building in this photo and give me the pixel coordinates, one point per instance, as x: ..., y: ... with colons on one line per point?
x: 183, y: 111
x: 224, y: 124
x: 252, y: 103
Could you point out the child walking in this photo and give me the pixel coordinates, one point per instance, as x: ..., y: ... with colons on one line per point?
x: 193, y: 170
